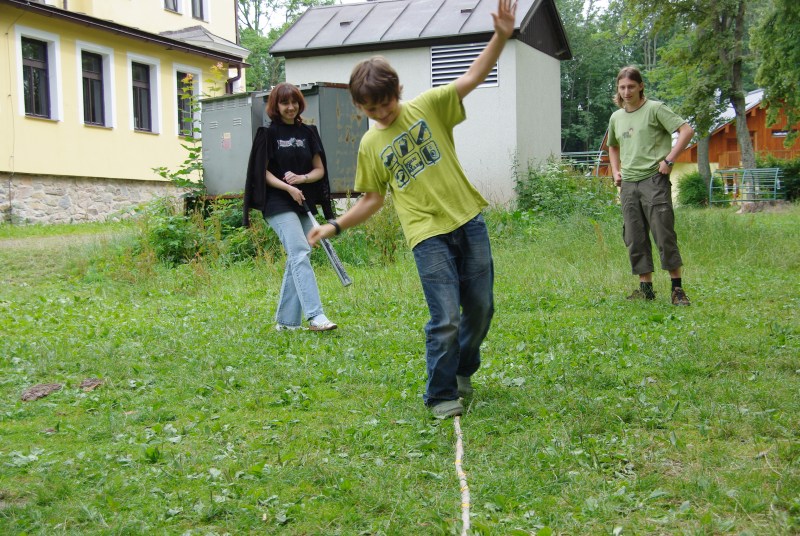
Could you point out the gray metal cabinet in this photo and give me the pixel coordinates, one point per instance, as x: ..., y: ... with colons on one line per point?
x: 229, y: 124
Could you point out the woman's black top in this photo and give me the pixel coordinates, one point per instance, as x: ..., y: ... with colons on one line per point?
x: 289, y: 148
x: 281, y: 148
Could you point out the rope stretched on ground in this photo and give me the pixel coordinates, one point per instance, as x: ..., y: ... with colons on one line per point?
x: 462, y: 477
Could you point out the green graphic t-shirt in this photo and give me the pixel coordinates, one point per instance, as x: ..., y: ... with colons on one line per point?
x: 644, y: 138
x: 415, y: 159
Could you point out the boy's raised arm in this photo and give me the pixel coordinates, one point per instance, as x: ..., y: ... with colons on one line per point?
x: 504, y: 21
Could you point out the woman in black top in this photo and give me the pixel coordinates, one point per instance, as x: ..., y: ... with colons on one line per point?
x: 294, y: 164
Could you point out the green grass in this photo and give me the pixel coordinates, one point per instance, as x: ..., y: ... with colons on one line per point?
x: 592, y: 414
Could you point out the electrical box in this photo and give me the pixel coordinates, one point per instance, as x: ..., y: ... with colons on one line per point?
x: 229, y: 124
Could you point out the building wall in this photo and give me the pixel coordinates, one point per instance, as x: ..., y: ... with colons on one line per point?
x: 219, y: 15
x: 538, y: 107
x: 72, y: 147
x: 493, y: 133
x: 47, y: 199
x: 64, y: 146
x: 723, y: 148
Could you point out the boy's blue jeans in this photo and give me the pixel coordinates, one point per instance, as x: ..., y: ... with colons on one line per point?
x: 299, y: 292
x: 457, y: 275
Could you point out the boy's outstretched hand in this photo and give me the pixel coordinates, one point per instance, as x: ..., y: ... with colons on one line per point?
x: 505, y: 17
x: 318, y: 233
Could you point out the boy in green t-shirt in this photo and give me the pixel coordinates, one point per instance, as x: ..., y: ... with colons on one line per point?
x: 641, y: 153
x: 409, y: 151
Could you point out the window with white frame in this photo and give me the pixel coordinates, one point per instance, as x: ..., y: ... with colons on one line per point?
x: 451, y: 61
x: 172, y: 5
x: 94, y: 108
x: 200, y: 9
x: 96, y: 75
x: 187, y: 92
x: 144, y: 85
x: 38, y: 54
x: 35, y: 77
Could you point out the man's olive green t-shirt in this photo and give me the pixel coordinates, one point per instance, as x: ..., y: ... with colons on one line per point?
x: 644, y: 138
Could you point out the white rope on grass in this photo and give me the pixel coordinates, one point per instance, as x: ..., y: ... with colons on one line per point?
x: 462, y: 477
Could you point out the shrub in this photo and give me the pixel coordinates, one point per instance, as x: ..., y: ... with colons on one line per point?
x: 790, y: 181
x: 553, y: 189
x: 692, y: 190
x: 377, y: 241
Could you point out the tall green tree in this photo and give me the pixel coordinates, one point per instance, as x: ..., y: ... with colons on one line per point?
x: 587, y: 80
x: 261, y: 23
x: 716, y: 32
x: 777, y: 41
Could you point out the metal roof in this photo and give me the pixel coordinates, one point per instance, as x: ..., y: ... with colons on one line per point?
x: 384, y: 24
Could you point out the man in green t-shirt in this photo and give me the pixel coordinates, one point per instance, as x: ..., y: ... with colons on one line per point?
x: 642, y: 154
x: 409, y: 151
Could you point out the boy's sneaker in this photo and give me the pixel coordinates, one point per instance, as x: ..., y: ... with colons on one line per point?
x: 464, y: 386
x: 286, y: 327
x: 679, y: 297
x: 448, y: 408
x: 321, y: 323
x: 638, y: 294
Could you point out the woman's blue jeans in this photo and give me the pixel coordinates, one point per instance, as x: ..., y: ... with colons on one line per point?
x: 299, y: 292
x: 457, y: 275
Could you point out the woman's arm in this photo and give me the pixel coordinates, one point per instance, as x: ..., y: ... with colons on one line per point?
x: 275, y: 182
x: 312, y: 176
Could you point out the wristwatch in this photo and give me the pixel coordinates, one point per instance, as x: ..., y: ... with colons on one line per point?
x: 670, y: 163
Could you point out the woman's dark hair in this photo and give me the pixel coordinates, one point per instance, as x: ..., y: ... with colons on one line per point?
x: 284, y: 92
x: 632, y: 73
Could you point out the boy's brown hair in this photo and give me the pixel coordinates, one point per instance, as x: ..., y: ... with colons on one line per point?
x: 281, y: 93
x: 374, y: 81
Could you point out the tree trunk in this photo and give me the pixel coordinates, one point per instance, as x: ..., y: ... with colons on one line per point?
x: 737, y: 100
x: 703, y: 163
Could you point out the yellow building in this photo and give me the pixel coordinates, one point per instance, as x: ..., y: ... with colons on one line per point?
x: 90, y: 99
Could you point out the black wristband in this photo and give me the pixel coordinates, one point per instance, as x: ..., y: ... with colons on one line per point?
x: 335, y: 226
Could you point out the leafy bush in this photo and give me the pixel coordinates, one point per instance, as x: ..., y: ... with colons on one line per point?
x: 692, y: 190
x: 790, y: 181
x: 208, y: 231
x: 553, y: 189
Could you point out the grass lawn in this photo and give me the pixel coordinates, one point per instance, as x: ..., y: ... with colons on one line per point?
x: 592, y: 414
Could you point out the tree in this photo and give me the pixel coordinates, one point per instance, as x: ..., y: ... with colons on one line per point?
x: 587, y: 81
x: 776, y: 41
x: 716, y: 31
x: 261, y: 23
x: 265, y: 70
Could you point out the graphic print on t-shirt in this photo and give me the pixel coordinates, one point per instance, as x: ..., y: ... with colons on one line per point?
x: 291, y: 142
x: 410, y: 153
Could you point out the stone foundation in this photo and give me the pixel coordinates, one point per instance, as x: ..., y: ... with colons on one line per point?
x: 45, y: 199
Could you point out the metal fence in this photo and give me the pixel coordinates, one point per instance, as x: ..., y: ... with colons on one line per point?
x: 745, y: 185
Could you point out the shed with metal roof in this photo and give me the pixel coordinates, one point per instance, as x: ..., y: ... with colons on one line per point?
x: 513, y: 119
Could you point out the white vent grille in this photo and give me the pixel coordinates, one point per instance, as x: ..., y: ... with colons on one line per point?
x: 450, y: 62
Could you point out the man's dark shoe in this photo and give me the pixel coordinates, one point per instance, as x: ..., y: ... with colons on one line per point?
x: 638, y: 294
x: 679, y: 297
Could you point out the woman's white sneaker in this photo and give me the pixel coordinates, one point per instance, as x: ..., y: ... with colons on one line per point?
x: 321, y: 323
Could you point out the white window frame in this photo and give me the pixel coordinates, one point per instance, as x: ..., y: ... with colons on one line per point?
x: 206, y: 7
x: 448, y: 62
x: 198, y: 84
x: 155, y: 91
x: 109, y: 89
x: 178, y: 4
x: 54, y: 75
